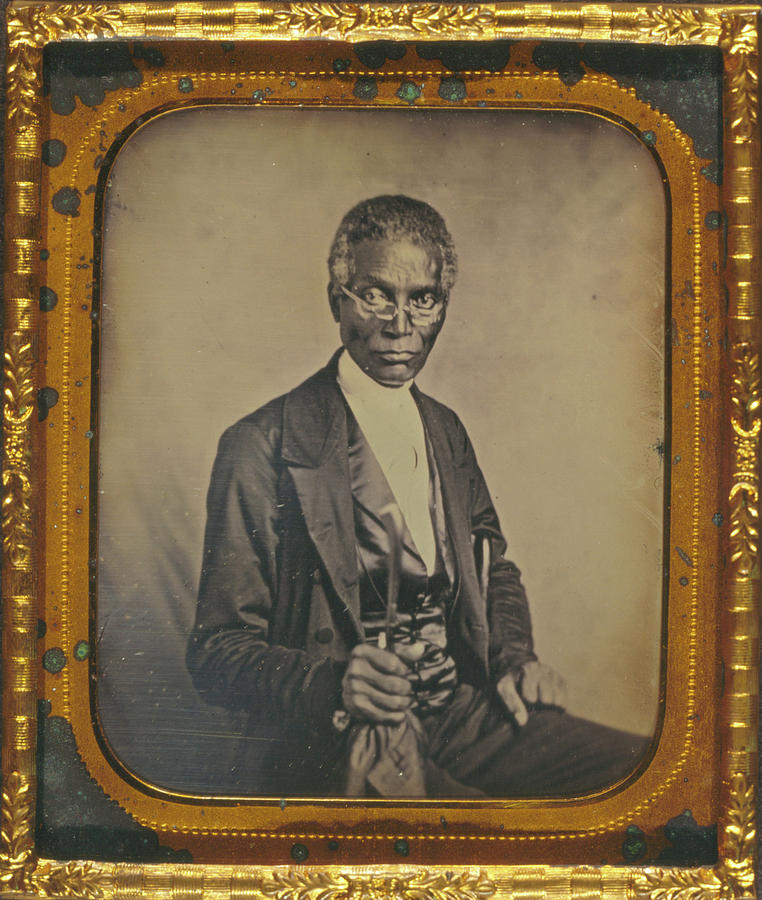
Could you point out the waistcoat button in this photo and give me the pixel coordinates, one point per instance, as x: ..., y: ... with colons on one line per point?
x: 324, y: 635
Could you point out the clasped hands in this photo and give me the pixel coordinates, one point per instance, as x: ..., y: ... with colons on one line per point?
x: 377, y: 688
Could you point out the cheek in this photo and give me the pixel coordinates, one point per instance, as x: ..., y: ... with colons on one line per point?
x: 357, y: 329
x: 429, y: 335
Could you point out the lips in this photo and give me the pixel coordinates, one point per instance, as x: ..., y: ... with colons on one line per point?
x: 397, y: 356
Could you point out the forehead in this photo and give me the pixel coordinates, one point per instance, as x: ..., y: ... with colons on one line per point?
x: 396, y: 259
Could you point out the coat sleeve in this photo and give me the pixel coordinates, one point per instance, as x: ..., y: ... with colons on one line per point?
x: 230, y: 657
x: 508, y: 617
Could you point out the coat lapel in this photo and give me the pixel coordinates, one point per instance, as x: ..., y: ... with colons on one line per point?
x: 469, y: 606
x: 452, y: 497
x: 315, y: 451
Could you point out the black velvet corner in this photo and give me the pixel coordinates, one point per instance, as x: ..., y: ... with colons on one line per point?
x: 75, y: 819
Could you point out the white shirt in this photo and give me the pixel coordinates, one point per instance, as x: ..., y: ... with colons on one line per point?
x: 390, y: 420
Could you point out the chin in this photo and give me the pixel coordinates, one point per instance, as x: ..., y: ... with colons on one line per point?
x: 391, y: 378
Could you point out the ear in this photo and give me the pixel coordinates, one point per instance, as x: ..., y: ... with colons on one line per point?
x: 333, y: 301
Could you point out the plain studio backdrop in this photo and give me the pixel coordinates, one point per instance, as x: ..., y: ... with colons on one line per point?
x: 217, y: 230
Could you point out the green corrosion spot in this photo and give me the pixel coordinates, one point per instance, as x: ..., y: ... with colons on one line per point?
x: 713, y: 220
x: 452, y: 89
x: 185, y: 84
x: 66, y: 201
x: 54, y: 660
x: 401, y: 847
x: 634, y: 845
x: 712, y: 172
x: 648, y: 137
x: 365, y: 89
x: 47, y: 398
x: 81, y: 651
x: 299, y: 853
x: 409, y: 92
x: 48, y: 298
x: 340, y: 65
x: 53, y: 152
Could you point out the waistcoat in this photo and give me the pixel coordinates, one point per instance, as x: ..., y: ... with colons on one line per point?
x: 424, y: 598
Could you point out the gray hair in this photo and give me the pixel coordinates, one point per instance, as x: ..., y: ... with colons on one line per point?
x: 392, y: 218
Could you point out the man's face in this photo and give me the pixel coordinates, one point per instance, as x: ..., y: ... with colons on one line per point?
x: 392, y: 351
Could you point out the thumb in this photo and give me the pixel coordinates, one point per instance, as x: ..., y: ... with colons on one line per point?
x: 513, y: 702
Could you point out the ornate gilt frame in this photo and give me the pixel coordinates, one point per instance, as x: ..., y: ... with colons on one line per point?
x: 733, y: 29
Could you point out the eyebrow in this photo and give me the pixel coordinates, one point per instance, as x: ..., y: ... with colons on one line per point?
x: 388, y: 288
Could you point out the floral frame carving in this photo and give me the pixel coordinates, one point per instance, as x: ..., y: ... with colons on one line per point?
x: 735, y: 30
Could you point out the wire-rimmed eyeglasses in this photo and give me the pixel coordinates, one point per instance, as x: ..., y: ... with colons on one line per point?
x: 424, y: 309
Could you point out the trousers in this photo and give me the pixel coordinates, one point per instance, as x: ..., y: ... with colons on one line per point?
x: 472, y: 748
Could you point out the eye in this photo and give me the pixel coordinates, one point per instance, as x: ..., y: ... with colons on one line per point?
x: 374, y: 296
x: 425, y: 301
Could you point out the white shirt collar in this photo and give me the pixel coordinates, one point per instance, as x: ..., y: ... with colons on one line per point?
x: 356, y: 383
x: 391, y: 422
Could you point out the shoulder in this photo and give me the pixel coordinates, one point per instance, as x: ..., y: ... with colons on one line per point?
x: 447, y: 420
x: 260, y: 428
x: 447, y: 417
x: 263, y: 428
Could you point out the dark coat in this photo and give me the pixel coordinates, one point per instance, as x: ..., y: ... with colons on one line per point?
x: 279, y: 608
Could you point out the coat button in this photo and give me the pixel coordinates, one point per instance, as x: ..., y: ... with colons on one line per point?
x: 316, y: 576
x: 324, y: 635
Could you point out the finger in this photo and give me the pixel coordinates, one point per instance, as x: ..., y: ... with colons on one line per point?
x: 362, y: 705
x: 530, y: 682
x: 381, y: 660
x: 551, y: 688
x: 547, y: 688
x: 561, y: 691
x: 410, y: 653
x: 513, y: 703
x: 353, y: 685
x: 389, y: 702
x: 393, y: 685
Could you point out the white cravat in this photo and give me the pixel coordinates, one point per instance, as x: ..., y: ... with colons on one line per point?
x: 392, y: 425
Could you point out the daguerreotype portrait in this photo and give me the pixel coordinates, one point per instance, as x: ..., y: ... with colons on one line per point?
x: 356, y: 600
x: 381, y: 451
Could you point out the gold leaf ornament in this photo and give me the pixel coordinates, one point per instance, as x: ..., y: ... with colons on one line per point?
x: 739, y: 35
x: 733, y: 878
x: 436, y: 19
x: 318, y: 18
x: 18, y: 394
x: 678, y: 884
x: 740, y: 837
x: 18, y: 389
x: 29, y: 29
x: 449, y: 886
x: 739, y: 40
x: 422, y: 18
x: 69, y: 880
x: 16, y: 856
x: 744, y: 491
x: 18, y: 870
x: 421, y: 885
x: 680, y: 26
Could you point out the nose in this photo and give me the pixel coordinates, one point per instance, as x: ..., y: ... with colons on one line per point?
x: 400, y: 325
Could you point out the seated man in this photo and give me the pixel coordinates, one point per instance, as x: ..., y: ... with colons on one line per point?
x: 355, y: 600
